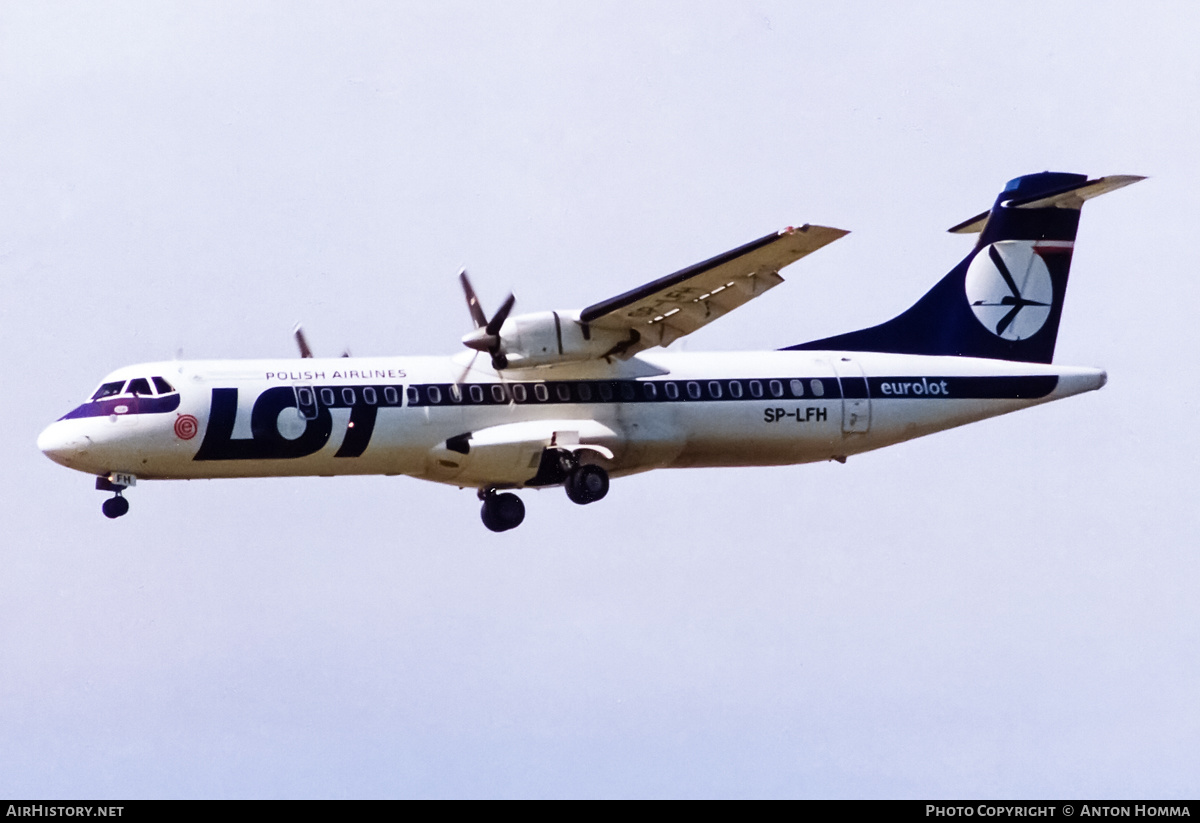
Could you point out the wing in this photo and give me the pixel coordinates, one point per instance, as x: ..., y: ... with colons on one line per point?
x: 678, y: 304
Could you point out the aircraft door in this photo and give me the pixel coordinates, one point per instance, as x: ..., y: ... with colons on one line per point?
x: 856, y: 397
x: 306, y: 401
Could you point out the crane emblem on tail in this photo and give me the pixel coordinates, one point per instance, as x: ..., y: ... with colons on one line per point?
x: 1009, y: 289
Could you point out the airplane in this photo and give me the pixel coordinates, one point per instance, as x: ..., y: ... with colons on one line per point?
x: 575, y: 398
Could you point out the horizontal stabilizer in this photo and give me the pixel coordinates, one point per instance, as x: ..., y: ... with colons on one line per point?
x: 972, y: 225
x: 1068, y: 197
x: 1073, y: 197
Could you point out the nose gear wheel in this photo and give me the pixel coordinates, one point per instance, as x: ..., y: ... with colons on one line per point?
x: 115, y: 507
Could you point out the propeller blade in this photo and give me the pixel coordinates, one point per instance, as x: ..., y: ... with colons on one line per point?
x: 477, y: 315
x: 462, y: 377
x: 305, y: 351
x: 493, y: 325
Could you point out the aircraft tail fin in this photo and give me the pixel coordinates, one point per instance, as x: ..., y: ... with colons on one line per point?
x: 1004, y: 300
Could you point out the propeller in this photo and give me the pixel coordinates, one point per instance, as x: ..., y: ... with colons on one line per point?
x: 486, y: 337
x: 301, y: 341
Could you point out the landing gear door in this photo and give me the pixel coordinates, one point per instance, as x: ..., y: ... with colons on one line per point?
x: 306, y: 402
x: 856, y: 397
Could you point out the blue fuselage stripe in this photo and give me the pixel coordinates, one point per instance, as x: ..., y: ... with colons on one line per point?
x: 557, y: 392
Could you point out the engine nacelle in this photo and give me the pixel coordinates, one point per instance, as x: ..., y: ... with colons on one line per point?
x: 548, y: 337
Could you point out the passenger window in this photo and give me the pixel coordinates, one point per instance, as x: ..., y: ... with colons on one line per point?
x: 755, y: 389
x: 498, y: 393
x: 693, y: 390
x: 327, y: 397
x: 797, y: 388
x: 563, y: 390
x: 435, y: 394
x: 627, y: 390
x: 541, y: 392
x: 714, y: 389
x: 162, y: 386
x: 390, y: 395
x: 414, y: 397
x: 476, y: 393
x: 519, y: 392
x: 585, y: 392
x: 650, y: 390
x: 606, y: 393
x: 672, y: 390
x: 108, y: 390
x: 776, y: 388
x: 348, y: 396
x: 818, y: 388
x: 140, y: 386
x: 735, y: 388
x: 369, y: 396
x: 455, y: 393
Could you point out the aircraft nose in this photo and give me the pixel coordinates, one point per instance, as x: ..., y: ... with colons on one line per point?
x: 62, y: 445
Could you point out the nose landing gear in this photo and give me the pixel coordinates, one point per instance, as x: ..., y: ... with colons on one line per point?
x: 115, y: 506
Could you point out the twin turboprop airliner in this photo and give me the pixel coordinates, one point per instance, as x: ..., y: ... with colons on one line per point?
x: 574, y: 398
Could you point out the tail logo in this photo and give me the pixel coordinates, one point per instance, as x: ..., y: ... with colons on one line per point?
x: 1008, y: 287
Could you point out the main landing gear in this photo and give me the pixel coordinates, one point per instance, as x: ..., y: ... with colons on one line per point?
x: 583, y: 483
x: 115, y: 506
x: 586, y: 484
x: 501, y: 512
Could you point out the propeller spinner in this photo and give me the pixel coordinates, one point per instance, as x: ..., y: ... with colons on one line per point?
x: 486, y: 337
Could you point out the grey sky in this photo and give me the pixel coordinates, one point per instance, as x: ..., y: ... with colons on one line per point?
x: 1005, y: 610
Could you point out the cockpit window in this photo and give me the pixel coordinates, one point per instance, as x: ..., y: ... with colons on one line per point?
x: 162, y: 385
x: 139, y: 386
x: 108, y: 390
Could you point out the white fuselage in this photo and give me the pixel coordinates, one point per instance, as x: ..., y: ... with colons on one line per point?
x: 422, y: 416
